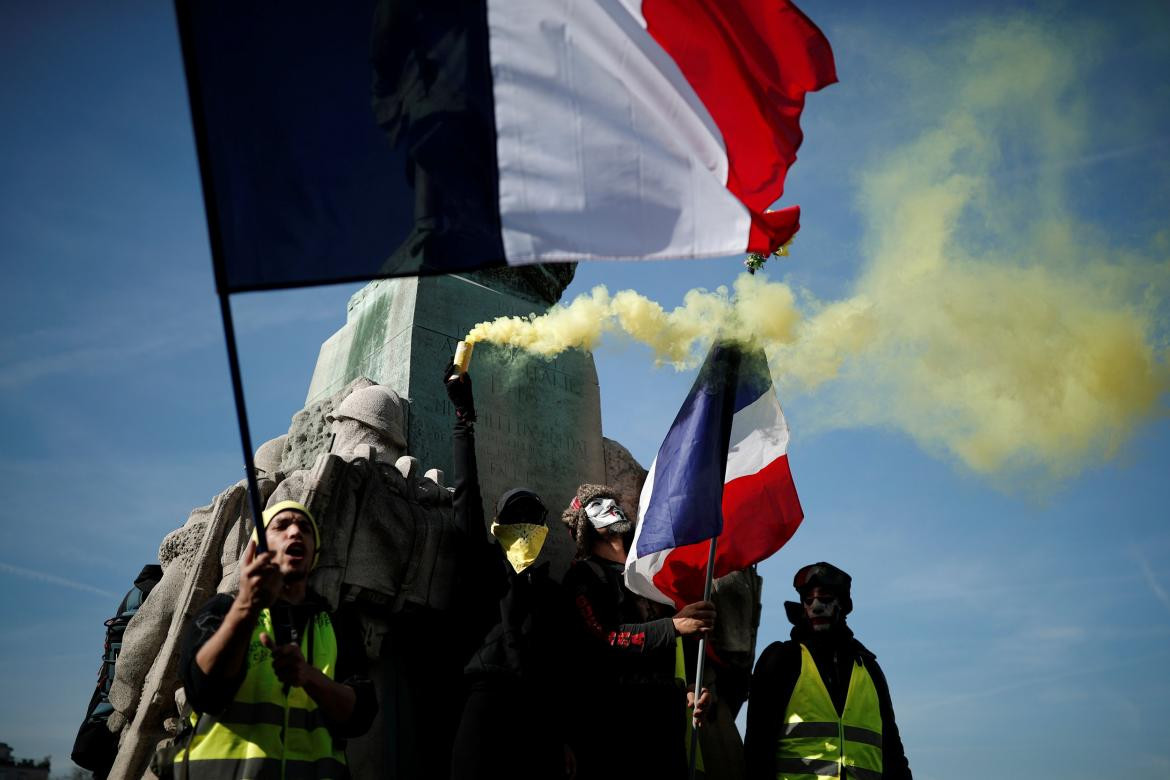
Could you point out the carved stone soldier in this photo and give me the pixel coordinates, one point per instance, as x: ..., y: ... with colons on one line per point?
x: 389, y: 553
x: 146, y: 678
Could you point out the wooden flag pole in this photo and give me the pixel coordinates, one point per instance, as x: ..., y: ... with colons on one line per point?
x: 702, y: 655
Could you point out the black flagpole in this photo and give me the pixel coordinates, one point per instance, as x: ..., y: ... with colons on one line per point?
x: 222, y: 288
x: 229, y: 335
x: 702, y: 654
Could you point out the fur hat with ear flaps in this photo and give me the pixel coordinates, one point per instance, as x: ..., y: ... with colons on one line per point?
x: 578, y: 522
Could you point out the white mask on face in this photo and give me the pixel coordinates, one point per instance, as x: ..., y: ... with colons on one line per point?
x: 822, y: 611
x: 603, y: 512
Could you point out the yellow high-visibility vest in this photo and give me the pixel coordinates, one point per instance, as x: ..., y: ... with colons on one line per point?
x: 815, y: 743
x: 265, y: 734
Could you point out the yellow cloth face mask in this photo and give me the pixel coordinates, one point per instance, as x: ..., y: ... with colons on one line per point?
x: 521, y: 542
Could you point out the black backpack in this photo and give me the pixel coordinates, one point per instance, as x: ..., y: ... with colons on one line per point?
x: 95, y: 746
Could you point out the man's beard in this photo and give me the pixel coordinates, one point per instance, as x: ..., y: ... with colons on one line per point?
x: 620, y: 528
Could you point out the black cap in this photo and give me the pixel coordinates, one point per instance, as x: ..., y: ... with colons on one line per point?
x: 827, y: 576
x: 520, y: 505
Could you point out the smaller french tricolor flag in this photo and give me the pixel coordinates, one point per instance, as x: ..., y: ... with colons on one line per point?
x: 722, y: 471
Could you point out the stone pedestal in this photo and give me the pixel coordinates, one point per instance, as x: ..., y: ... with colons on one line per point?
x: 539, y: 420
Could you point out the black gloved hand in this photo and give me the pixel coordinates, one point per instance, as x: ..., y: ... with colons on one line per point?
x: 459, y: 391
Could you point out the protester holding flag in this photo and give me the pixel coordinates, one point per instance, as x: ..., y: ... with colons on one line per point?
x: 719, y: 497
x: 268, y: 705
x: 518, y: 686
x: 820, y: 704
x: 629, y: 649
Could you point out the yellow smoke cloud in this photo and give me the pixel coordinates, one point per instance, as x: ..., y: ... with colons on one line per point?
x: 1009, y: 331
x: 990, y: 322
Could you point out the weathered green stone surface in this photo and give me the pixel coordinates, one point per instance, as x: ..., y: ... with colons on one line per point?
x: 539, y: 420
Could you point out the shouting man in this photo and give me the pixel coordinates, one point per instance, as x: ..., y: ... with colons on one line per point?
x: 276, y: 682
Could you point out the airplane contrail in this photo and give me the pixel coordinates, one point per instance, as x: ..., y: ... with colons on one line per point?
x: 53, y: 579
x: 1150, y: 579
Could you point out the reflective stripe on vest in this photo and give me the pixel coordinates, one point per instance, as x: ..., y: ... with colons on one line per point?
x: 264, y: 734
x: 814, y: 743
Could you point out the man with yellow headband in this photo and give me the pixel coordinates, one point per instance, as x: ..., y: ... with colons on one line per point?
x: 517, y: 699
x: 277, y: 683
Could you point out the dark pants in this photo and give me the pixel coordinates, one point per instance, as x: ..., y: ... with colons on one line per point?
x: 505, y: 732
x: 635, y: 731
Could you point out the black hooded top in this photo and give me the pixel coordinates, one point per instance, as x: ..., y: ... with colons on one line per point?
x: 518, y: 623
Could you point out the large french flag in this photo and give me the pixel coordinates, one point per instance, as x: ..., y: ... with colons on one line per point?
x: 349, y: 140
x: 722, y: 471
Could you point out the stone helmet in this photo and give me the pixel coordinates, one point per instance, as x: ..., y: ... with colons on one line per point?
x: 380, y: 408
x: 269, y: 455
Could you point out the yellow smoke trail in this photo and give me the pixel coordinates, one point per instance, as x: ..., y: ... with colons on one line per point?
x: 759, y: 311
x: 990, y: 322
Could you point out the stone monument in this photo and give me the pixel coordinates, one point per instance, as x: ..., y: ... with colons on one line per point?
x: 539, y: 420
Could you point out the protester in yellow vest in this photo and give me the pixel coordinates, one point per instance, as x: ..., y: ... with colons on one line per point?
x: 277, y: 683
x: 820, y: 706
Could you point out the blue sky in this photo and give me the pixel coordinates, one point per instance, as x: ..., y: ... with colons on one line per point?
x: 1010, y: 554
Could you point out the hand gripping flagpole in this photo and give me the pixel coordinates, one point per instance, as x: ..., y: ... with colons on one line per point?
x: 282, y: 626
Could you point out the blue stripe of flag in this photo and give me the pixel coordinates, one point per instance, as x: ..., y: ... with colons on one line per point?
x: 753, y: 379
x: 687, y: 497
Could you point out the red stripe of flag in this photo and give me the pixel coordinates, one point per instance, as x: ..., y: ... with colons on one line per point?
x: 761, y: 512
x: 751, y: 63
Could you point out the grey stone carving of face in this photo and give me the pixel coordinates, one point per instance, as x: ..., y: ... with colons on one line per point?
x: 349, y: 435
x: 374, y: 417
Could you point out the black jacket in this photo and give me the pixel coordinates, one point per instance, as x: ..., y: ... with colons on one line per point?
x: 96, y: 746
x: 519, y: 623
x: 634, y: 715
x: 777, y: 671
x: 626, y: 639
